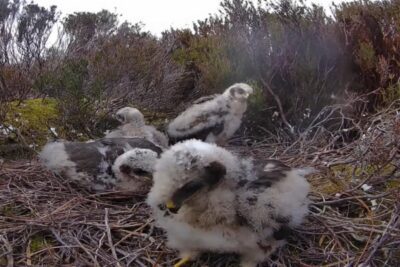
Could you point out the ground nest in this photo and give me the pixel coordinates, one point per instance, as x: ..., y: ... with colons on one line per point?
x: 354, y: 215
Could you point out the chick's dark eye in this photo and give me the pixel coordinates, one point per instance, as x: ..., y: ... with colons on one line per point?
x: 140, y: 172
x: 125, y: 168
x: 120, y: 117
x: 240, y: 91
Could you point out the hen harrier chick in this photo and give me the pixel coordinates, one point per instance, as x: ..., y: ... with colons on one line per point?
x: 133, y: 125
x: 107, y: 164
x: 212, y: 119
x: 207, y: 199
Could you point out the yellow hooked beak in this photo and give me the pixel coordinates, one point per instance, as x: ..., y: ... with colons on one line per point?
x: 182, y: 262
x: 170, y: 204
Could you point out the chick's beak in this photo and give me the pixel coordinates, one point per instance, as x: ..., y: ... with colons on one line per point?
x: 148, y: 177
x: 170, y: 204
x: 172, y: 207
x: 212, y: 175
x: 183, y: 194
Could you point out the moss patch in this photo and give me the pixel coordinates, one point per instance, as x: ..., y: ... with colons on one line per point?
x: 339, y: 178
x: 346, y: 171
x: 393, y: 184
x: 3, y: 261
x: 42, y: 244
x: 331, y: 188
x: 39, y: 242
x: 32, y: 119
x: 11, y: 210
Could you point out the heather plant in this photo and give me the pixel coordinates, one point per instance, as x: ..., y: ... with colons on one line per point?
x: 291, y: 50
x: 299, y: 60
x: 370, y: 32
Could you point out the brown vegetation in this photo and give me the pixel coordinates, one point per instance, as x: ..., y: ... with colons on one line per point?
x: 299, y: 60
x: 327, y: 93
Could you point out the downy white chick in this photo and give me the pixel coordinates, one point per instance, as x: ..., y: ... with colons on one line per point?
x: 133, y: 125
x: 123, y: 164
x: 207, y: 199
x: 213, y: 119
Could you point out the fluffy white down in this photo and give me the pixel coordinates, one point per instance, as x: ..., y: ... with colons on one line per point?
x: 188, y: 122
x: 130, y: 115
x: 170, y: 174
x: 136, y: 158
x: 169, y: 171
x: 205, y: 232
x: 134, y: 126
x: 55, y: 158
x: 192, y: 240
x: 290, y: 197
x: 180, y: 125
x: 156, y: 136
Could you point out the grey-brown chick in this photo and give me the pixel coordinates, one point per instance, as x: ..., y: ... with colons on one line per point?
x: 133, y: 125
x: 208, y: 199
x: 106, y: 164
x: 212, y: 119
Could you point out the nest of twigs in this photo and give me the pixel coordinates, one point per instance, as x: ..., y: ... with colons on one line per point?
x: 354, y: 219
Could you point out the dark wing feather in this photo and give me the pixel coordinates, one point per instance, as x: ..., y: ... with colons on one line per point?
x: 86, y: 156
x: 119, y: 145
x: 268, y: 172
x: 283, y: 232
x: 204, y: 99
x: 200, y: 135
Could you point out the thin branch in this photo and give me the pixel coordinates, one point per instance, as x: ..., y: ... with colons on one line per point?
x: 110, y: 243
